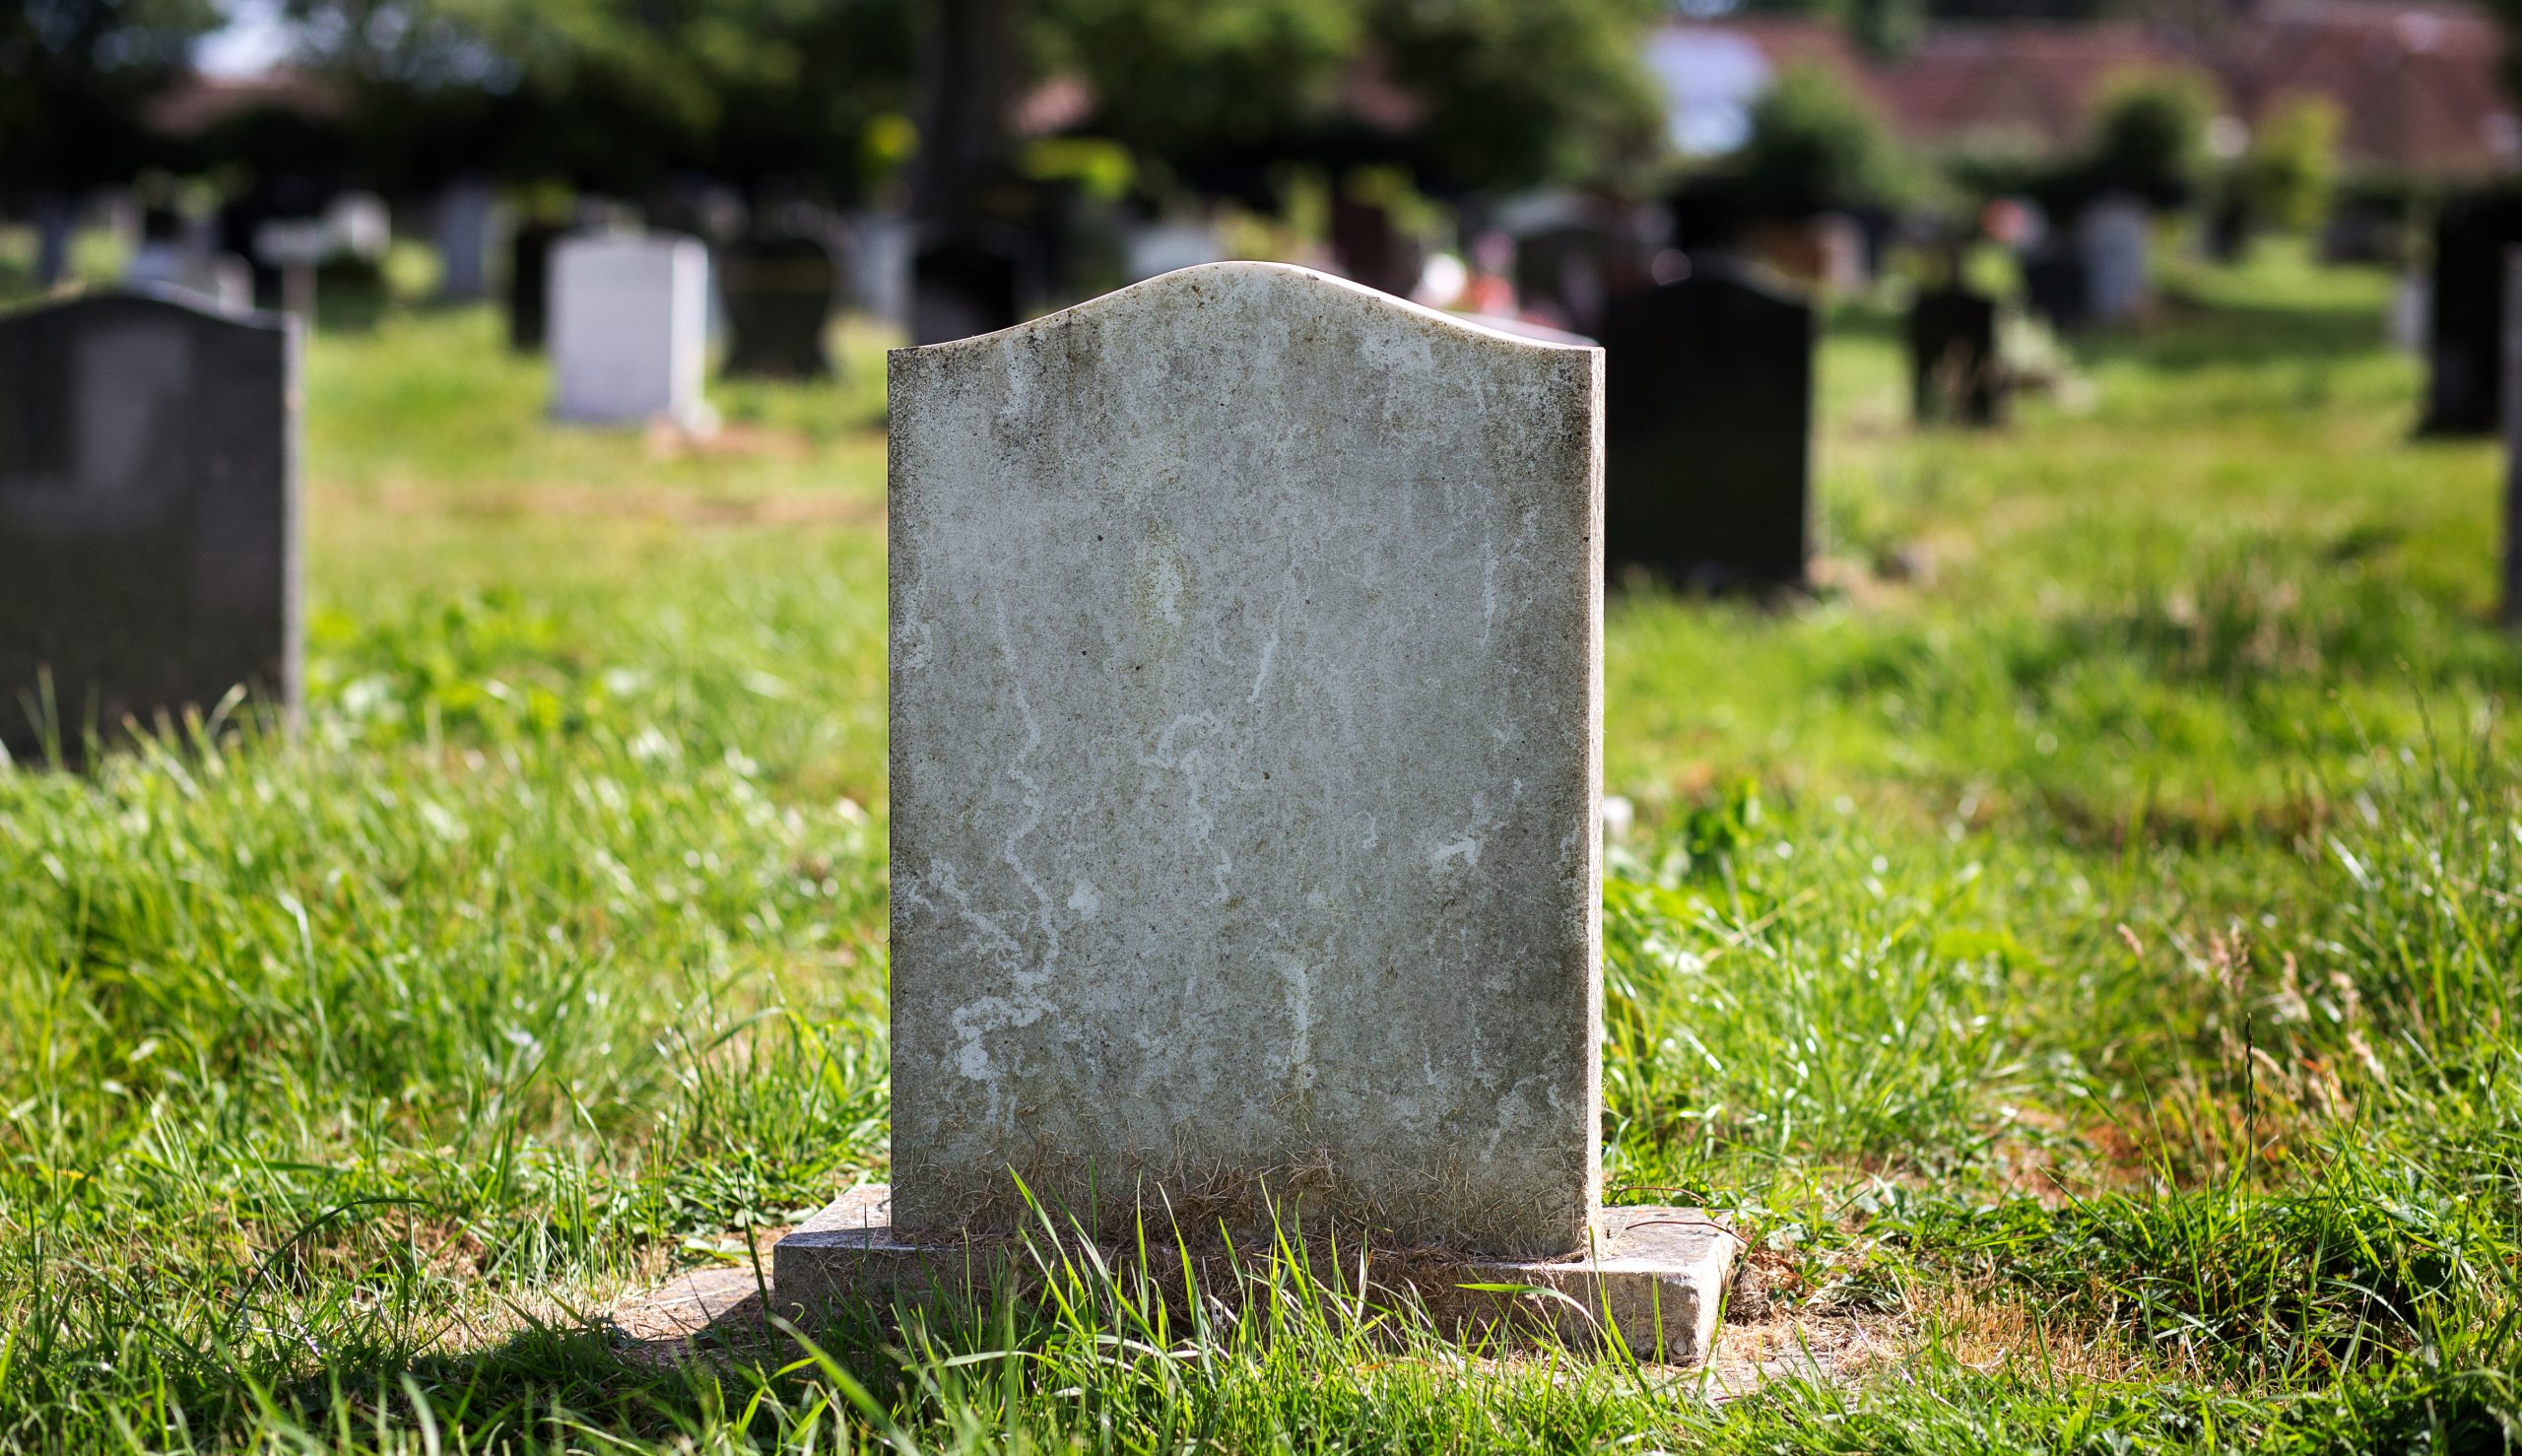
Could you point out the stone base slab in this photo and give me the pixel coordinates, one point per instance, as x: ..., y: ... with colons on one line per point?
x: 1659, y: 1275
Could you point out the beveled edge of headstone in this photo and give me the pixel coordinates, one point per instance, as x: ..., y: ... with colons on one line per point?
x: 1291, y: 275
x: 1659, y: 1276
x: 163, y: 294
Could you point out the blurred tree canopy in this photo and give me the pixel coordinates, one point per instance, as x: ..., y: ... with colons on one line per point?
x: 76, y: 77
x: 2150, y: 135
x: 614, y: 93
x: 2292, y: 163
x: 1812, y: 147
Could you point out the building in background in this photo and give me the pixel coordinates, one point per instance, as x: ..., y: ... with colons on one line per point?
x: 2417, y: 82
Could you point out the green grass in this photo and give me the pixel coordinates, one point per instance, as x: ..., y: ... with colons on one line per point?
x: 2080, y: 950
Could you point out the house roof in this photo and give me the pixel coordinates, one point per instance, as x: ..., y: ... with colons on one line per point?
x: 2417, y: 80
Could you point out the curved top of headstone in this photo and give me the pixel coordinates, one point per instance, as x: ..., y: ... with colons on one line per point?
x: 146, y: 295
x: 1251, y: 286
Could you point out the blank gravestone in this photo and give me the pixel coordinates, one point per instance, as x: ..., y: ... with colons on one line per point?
x: 465, y: 217
x: 2513, y: 410
x: 2057, y: 287
x: 2115, y: 236
x: 148, y: 516
x: 1954, y: 374
x: 965, y: 285
x: 2464, y: 345
x: 778, y: 292
x: 1710, y: 425
x: 1245, y: 713
x: 630, y: 322
x: 530, y: 284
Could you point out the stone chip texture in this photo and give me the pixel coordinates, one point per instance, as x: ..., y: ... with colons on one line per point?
x: 1246, y: 757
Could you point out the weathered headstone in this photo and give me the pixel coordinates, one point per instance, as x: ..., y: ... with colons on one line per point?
x: 1953, y: 371
x: 2464, y: 345
x: 148, y: 516
x: 2115, y: 235
x: 1710, y: 425
x: 630, y: 325
x: 778, y: 292
x: 1245, y: 723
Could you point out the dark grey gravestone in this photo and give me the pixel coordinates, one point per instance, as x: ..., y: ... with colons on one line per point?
x: 964, y: 286
x: 1954, y: 375
x: 2512, y: 406
x: 778, y: 292
x: 1709, y: 426
x: 1573, y: 271
x: 530, y: 284
x: 2058, y: 287
x: 2464, y: 349
x: 148, y: 516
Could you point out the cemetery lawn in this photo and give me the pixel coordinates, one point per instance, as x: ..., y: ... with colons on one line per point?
x: 2079, y: 951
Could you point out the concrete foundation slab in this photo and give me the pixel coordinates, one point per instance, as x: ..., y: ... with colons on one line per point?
x: 1658, y: 1275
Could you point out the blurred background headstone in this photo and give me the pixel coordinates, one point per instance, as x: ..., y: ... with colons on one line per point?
x: 1709, y: 421
x: 778, y: 292
x: 2115, y: 236
x: 1954, y: 376
x: 147, y: 517
x: 2465, y: 351
x: 630, y: 326
x: 465, y: 222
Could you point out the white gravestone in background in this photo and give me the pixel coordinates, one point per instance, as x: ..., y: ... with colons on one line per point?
x: 1161, y: 247
x: 2115, y: 235
x: 628, y: 329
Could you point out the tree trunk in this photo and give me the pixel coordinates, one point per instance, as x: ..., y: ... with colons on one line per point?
x: 968, y: 79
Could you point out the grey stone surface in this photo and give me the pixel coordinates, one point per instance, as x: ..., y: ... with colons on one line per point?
x: 1657, y: 1275
x: 630, y: 328
x: 149, y: 558
x: 466, y: 220
x: 2117, y: 237
x: 1245, y: 753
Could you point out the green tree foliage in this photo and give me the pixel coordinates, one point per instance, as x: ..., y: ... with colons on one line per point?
x: 1218, y: 83
x: 616, y: 94
x: 2293, y: 165
x: 1465, y: 93
x: 1517, y: 93
x: 1815, y: 146
x: 2150, y: 134
x: 75, y: 78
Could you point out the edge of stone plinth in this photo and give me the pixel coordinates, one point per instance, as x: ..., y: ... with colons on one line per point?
x: 1657, y: 1275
